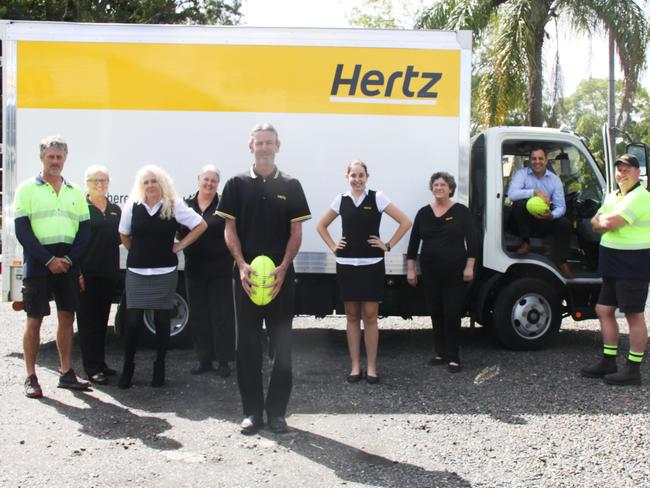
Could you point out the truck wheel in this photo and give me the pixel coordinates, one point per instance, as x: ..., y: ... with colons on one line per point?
x: 180, y: 330
x: 526, y: 314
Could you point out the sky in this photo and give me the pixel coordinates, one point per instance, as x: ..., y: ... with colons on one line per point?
x: 580, y: 57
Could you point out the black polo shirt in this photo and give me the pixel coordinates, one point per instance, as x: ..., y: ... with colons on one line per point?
x: 208, y: 256
x: 263, y: 209
x: 102, y: 256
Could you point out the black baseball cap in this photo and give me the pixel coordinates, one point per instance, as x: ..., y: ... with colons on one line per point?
x: 628, y: 159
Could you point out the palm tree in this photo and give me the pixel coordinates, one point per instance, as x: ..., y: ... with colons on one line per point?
x: 513, y: 33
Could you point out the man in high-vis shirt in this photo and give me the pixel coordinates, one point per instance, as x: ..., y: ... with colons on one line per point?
x: 624, y: 263
x: 52, y: 225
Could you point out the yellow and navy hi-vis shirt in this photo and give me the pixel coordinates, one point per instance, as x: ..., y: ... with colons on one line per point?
x: 49, y: 224
x: 634, y: 207
x: 625, y: 252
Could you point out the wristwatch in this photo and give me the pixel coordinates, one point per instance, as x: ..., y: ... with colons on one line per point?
x: 388, y: 247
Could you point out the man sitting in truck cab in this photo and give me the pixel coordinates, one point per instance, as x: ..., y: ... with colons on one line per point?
x: 537, y: 180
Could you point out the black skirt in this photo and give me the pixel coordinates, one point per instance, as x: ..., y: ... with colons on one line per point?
x: 361, y: 283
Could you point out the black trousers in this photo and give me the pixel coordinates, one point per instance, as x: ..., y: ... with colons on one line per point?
x: 445, y: 294
x: 278, y: 318
x: 133, y: 327
x: 528, y: 226
x: 92, y: 320
x: 212, y: 318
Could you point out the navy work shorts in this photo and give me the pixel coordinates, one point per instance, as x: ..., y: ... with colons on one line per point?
x: 39, y: 290
x: 628, y: 295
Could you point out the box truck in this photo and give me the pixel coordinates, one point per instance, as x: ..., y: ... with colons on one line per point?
x: 184, y: 96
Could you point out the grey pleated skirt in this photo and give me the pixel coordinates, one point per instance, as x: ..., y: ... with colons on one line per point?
x: 150, y: 292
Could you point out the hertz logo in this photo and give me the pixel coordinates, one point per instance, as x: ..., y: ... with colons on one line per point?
x: 377, y: 87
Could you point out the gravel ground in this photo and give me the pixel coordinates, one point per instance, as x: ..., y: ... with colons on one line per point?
x: 508, y: 419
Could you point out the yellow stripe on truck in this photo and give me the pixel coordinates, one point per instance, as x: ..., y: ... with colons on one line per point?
x: 238, y: 78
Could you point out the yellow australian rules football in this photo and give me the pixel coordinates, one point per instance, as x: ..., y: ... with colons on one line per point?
x: 262, y: 265
x: 536, y: 205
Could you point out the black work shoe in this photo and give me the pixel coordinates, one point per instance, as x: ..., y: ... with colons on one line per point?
x: 278, y: 425
x: 629, y: 374
x: 108, y: 371
x: 223, y: 370
x: 251, y: 425
x: 202, y: 368
x: 70, y: 381
x: 437, y: 361
x: 32, y: 388
x: 605, y: 365
x: 454, y: 367
x: 98, y: 378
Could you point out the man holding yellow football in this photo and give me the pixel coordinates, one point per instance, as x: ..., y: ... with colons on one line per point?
x: 537, y: 181
x: 264, y: 210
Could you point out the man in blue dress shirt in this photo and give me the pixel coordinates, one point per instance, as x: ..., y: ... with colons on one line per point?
x: 537, y: 180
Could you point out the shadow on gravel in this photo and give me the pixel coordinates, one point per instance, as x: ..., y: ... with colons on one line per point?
x: 505, y: 385
x: 109, y: 421
x: 358, y: 466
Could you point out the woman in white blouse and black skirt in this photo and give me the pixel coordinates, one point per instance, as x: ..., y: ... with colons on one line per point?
x: 360, y: 265
x: 148, y: 226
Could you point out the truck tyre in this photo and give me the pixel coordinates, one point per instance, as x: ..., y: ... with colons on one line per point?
x: 526, y: 314
x: 180, y: 329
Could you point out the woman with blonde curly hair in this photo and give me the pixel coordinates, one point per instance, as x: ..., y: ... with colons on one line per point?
x: 147, y: 228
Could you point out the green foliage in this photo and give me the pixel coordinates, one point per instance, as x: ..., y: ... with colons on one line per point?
x: 586, y: 112
x: 374, y: 14
x: 509, y: 37
x: 225, y: 12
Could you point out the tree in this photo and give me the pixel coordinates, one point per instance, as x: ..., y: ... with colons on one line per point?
x: 374, y: 14
x: 225, y: 12
x: 513, y: 33
x: 586, y: 112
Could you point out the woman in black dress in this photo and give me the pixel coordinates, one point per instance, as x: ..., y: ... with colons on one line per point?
x: 148, y: 227
x: 208, y: 281
x: 360, y: 268
x: 100, y: 265
x: 449, y: 250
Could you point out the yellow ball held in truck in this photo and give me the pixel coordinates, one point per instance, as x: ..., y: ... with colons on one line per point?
x: 262, y: 265
x: 536, y: 205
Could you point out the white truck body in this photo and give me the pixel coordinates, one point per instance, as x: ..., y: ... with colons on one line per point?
x: 49, y: 67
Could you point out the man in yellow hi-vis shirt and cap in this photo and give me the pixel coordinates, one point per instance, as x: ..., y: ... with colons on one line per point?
x: 624, y: 263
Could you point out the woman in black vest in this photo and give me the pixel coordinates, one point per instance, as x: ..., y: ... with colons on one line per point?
x: 148, y: 226
x: 208, y: 281
x: 449, y: 250
x: 100, y: 265
x: 360, y: 265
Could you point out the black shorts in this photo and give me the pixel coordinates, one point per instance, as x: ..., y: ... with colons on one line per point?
x: 39, y: 290
x: 629, y: 296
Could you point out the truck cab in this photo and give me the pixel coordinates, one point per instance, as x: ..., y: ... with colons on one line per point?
x: 524, y: 298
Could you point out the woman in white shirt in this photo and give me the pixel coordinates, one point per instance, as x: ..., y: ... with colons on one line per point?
x: 147, y: 228
x: 360, y: 265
